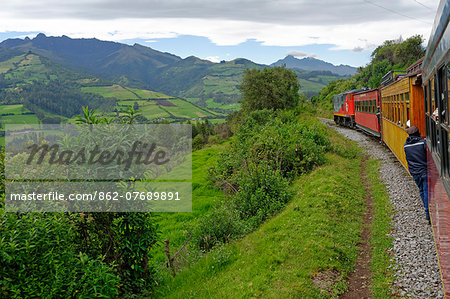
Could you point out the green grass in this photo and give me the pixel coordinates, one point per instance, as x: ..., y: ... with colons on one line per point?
x: 382, y: 273
x: 185, y: 109
x: 113, y: 91
x: 232, y: 107
x: 154, y: 112
x: 19, y: 119
x: 148, y: 94
x: 175, y: 225
x: 9, y: 64
x: 15, y: 109
x: 317, y: 232
x: 307, y: 85
x: 216, y: 120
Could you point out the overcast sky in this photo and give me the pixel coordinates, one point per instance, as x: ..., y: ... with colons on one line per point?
x: 341, y: 32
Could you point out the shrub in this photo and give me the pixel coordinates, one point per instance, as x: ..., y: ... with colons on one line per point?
x: 217, y: 227
x: 262, y: 192
x: 269, y: 150
x: 39, y: 259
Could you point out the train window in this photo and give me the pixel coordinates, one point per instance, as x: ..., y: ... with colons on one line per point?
x: 445, y: 153
x: 432, y: 95
x: 425, y: 98
x: 448, y: 93
x: 442, y: 92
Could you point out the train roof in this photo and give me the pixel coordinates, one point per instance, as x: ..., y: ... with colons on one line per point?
x: 439, y: 42
x: 366, y: 90
x: 350, y: 91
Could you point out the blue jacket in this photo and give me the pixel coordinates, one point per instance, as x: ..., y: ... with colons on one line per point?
x: 416, y: 155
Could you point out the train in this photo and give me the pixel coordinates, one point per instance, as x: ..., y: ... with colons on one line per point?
x: 419, y: 97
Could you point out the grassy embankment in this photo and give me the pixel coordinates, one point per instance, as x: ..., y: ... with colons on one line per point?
x: 381, y: 243
x: 175, y: 226
x: 309, y: 248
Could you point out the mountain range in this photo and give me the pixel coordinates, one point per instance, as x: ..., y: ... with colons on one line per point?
x: 213, y: 85
x: 313, y: 64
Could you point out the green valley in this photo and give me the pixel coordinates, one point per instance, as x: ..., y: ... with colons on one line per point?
x: 35, y: 89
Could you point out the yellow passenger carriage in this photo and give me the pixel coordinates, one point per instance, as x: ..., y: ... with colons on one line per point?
x: 401, y: 101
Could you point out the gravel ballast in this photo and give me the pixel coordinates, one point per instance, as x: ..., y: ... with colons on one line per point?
x: 415, y: 261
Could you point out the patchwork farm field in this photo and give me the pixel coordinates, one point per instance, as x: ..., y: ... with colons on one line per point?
x: 15, y: 109
x: 26, y: 67
x: 113, y: 91
x: 17, y: 117
x: 171, y: 108
x: 154, y: 105
x: 124, y: 93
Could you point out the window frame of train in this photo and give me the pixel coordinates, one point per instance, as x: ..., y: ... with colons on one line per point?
x: 437, y: 96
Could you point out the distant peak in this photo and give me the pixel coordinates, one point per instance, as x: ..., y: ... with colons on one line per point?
x: 40, y: 35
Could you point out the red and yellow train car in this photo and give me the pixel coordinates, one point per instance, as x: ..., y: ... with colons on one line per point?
x: 436, y: 81
x: 367, y: 111
x: 402, y: 101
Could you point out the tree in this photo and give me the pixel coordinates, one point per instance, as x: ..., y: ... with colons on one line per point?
x: 270, y: 88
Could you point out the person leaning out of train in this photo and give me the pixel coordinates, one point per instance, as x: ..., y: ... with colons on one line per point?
x: 416, y: 156
x: 435, y: 115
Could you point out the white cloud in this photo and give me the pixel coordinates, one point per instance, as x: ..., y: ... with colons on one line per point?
x: 213, y: 58
x: 288, y: 12
x: 296, y: 54
x: 348, y: 24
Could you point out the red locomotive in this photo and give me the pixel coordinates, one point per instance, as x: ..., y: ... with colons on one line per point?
x: 344, y: 108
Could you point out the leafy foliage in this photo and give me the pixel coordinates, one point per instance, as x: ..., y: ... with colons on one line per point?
x: 39, y: 258
x: 274, y: 88
x: 268, y: 151
x: 77, y: 254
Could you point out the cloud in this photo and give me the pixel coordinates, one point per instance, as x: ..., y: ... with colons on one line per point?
x: 287, y: 12
x: 343, y: 25
x: 213, y: 58
x: 358, y: 49
x: 312, y: 55
x: 296, y: 54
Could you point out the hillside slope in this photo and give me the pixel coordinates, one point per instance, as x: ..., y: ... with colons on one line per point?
x: 211, y: 85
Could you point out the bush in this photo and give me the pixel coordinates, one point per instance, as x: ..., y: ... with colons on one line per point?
x: 39, y: 259
x: 262, y: 192
x: 198, y: 142
x: 217, y: 227
x: 269, y: 150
